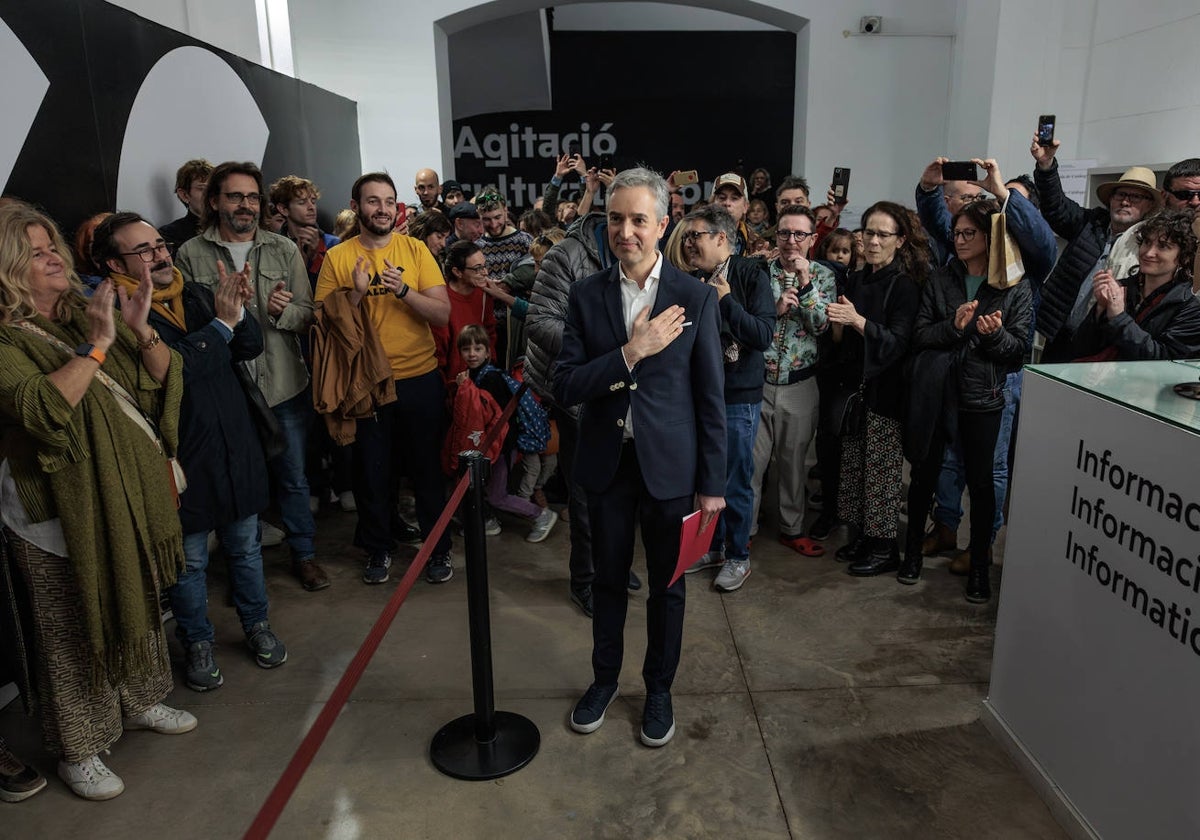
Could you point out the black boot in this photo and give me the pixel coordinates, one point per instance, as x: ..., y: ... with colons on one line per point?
x: 979, y: 588
x: 855, y: 550
x: 883, y: 557
x: 910, y: 568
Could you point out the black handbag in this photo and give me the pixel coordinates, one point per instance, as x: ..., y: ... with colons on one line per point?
x: 270, y: 433
x: 852, y: 417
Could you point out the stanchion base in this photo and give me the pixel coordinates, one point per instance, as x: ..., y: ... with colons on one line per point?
x: 456, y: 753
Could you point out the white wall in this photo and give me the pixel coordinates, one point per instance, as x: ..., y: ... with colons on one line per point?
x: 229, y: 24
x: 866, y: 103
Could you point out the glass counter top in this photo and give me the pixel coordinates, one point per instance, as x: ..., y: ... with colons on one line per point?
x: 1145, y: 387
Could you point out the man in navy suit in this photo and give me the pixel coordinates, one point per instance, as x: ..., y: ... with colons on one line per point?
x: 642, y: 354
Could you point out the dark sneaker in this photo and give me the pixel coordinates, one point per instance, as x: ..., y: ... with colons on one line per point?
x: 269, y: 652
x: 588, y: 715
x: 377, y: 567
x: 658, y: 720
x: 582, y: 598
x: 201, y: 672
x: 823, y: 526
x: 18, y: 780
x: 439, y: 569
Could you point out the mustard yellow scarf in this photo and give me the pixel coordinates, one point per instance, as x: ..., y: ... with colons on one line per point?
x: 166, y: 301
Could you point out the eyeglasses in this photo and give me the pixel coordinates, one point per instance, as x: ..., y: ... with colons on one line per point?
x: 693, y: 235
x: 476, y: 268
x: 792, y: 235
x: 965, y: 234
x: 1185, y: 195
x: 1132, y: 196
x: 881, y: 235
x: 238, y: 198
x: 147, y: 254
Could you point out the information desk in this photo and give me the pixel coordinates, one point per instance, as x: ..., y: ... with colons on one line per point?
x: 1095, y: 682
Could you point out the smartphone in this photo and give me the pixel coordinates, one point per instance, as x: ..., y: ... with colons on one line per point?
x: 1045, y: 130
x: 401, y: 213
x: 960, y: 170
x: 841, y: 182
x: 573, y: 149
x: 690, y: 176
x: 606, y: 161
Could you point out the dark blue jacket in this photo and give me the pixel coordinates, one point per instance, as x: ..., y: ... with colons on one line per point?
x: 676, y: 396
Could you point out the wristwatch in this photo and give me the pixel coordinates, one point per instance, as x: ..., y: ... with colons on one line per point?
x: 403, y: 291
x: 91, y: 351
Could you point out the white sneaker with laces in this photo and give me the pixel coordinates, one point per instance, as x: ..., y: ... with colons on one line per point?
x: 162, y: 719
x: 708, y: 560
x: 90, y: 779
x: 542, y: 526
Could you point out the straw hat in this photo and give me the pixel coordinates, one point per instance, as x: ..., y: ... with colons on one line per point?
x: 1134, y: 176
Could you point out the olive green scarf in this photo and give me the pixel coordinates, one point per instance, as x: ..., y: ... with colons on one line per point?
x: 106, y: 481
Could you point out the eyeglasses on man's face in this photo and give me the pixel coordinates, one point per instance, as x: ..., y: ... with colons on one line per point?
x: 694, y: 235
x: 148, y: 253
x: 792, y: 235
x: 239, y: 198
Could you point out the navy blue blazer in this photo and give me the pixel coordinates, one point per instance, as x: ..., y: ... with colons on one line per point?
x: 677, y: 396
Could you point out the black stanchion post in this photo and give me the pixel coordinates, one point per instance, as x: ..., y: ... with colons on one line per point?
x: 487, y: 744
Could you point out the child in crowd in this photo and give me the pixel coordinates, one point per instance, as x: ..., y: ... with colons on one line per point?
x: 757, y: 217
x: 840, y: 247
x: 475, y: 350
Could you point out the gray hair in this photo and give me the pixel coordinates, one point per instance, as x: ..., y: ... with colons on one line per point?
x: 641, y: 176
x: 715, y: 217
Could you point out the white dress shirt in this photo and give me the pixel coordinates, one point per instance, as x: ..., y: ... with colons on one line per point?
x: 633, y: 300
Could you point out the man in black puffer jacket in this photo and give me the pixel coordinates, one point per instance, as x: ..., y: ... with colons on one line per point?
x: 1090, y: 235
x: 583, y: 252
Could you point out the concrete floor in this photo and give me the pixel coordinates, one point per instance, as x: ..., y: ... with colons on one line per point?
x: 808, y: 705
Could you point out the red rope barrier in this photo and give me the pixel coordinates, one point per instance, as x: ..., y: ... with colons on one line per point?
x: 277, y: 800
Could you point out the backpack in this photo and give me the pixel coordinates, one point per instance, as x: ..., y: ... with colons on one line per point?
x: 533, y: 423
x: 474, y: 412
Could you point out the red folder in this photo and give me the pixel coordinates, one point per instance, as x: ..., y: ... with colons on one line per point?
x: 693, y: 543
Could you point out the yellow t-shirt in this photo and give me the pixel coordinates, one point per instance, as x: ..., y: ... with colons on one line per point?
x: 405, y: 336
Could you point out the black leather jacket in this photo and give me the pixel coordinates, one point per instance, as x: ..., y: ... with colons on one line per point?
x: 983, y: 361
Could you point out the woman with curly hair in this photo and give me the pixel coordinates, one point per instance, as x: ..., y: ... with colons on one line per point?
x: 1153, y: 313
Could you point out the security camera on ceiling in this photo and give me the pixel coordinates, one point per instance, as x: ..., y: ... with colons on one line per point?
x: 870, y: 24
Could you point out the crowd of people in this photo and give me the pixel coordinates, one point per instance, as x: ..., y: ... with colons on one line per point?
x: 161, y: 386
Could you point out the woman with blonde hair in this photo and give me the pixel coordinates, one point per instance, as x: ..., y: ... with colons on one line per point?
x: 89, y: 409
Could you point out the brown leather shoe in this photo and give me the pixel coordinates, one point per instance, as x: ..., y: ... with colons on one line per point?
x: 939, y: 538
x: 311, y: 576
x: 961, y: 564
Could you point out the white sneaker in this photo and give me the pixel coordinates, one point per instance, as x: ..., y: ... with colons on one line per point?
x: 542, y: 526
x: 91, y: 779
x: 732, y: 575
x: 346, y: 500
x: 491, y: 527
x: 162, y: 719
x: 271, y: 536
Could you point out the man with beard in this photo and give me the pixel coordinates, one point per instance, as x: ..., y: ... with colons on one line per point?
x: 428, y: 190
x: 400, y: 287
x: 218, y: 447
x: 282, y: 304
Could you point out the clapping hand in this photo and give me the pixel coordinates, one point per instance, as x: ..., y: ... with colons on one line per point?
x: 361, y: 276
x: 989, y: 323
x: 844, y: 313
x: 135, y: 308
x: 964, y: 314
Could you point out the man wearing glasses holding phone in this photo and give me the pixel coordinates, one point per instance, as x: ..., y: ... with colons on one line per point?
x: 283, y: 306
x: 1091, y: 236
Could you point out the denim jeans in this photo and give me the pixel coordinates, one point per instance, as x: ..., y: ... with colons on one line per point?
x: 189, y: 595
x: 733, y: 527
x: 953, y: 477
x: 291, y: 482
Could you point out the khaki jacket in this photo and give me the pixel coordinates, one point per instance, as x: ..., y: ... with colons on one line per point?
x: 280, y: 371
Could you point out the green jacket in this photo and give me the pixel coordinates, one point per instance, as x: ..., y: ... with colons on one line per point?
x: 280, y: 370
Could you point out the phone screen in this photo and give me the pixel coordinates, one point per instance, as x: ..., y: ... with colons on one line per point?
x: 1045, y: 131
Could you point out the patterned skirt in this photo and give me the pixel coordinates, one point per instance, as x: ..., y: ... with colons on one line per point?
x: 78, y: 719
x: 872, y: 478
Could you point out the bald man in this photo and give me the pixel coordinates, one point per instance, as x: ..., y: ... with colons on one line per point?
x: 429, y: 190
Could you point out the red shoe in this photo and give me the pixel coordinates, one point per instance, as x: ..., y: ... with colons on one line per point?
x: 804, y: 545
